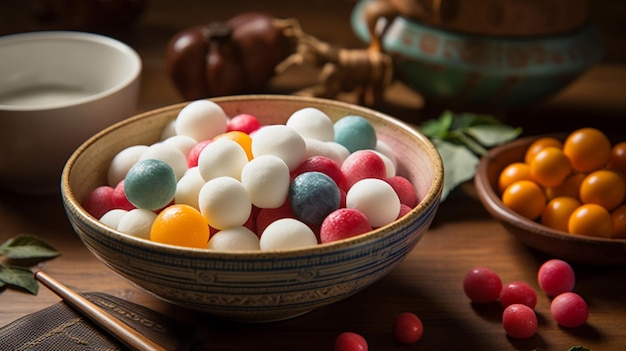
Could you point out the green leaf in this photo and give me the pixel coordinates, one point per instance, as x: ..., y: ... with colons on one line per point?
x: 27, y: 247
x: 470, y: 143
x: 438, y: 128
x: 19, y: 277
x: 492, y: 134
x: 458, y: 162
x: 461, y: 138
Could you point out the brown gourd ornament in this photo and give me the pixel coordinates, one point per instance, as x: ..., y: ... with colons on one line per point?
x: 227, y: 58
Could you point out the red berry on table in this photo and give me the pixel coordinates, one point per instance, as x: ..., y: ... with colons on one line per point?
x: 349, y: 341
x: 482, y: 285
x: 408, y: 328
x: 519, y: 321
x: 518, y: 292
x: 569, y: 310
x: 556, y: 276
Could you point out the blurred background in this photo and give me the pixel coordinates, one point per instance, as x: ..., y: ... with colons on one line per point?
x: 147, y: 26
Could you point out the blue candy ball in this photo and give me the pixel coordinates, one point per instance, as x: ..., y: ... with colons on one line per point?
x: 355, y: 133
x: 150, y: 184
x: 313, y: 195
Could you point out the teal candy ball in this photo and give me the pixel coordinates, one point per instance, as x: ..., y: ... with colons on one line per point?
x: 355, y: 133
x: 150, y: 184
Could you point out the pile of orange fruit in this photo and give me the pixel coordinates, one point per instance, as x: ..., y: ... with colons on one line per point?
x: 576, y: 185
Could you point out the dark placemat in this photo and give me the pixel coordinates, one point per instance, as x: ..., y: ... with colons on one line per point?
x: 60, y: 327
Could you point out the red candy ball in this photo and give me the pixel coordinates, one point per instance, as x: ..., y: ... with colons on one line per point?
x: 194, y: 153
x: 251, y: 222
x: 321, y: 164
x: 343, y: 223
x: 268, y: 215
x: 243, y: 123
x: 404, y: 189
x: 404, y: 209
x: 99, y: 201
x: 362, y: 164
x: 119, y: 198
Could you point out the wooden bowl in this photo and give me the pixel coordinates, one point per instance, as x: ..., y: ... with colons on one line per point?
x: 253, y: 285
x: 573, y: 248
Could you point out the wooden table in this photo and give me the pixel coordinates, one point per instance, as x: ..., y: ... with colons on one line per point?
x: 428, y: 282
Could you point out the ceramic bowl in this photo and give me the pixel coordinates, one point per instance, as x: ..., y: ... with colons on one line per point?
x: 466, y: 70
x: 57, y: 89
x: 254, y: 286
x: 558, y: 244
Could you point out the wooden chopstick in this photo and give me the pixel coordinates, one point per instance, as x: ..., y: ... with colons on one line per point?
x: 116, y: 328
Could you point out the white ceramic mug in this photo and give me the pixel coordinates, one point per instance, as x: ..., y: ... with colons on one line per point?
x: 57, y: 89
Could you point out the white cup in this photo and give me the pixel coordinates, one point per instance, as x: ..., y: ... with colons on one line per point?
x: 57, y: 89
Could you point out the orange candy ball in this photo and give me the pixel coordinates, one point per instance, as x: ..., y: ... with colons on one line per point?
x: 243, y: 139
x: 180, y: 225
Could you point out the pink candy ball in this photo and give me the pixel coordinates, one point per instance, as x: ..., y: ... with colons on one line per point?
x: 362, y: 164
x: 342, y: 224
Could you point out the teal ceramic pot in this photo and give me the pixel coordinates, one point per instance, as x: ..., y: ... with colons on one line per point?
x: 458, y: 69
